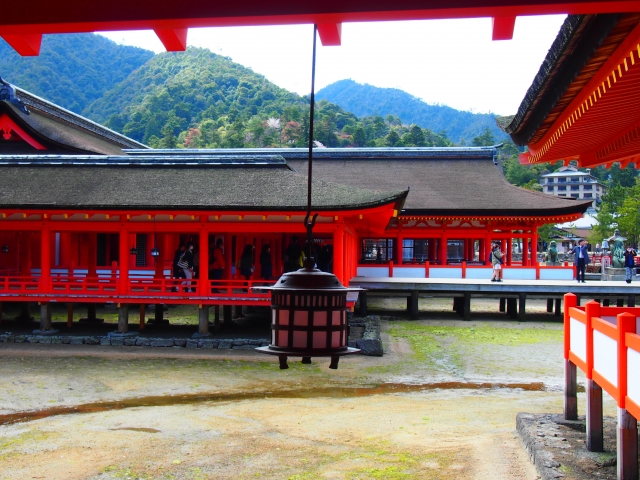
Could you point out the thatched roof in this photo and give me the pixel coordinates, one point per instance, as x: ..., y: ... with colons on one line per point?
x: 255, y: 183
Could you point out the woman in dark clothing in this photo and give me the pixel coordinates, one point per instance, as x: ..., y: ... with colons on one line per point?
x: 266, y: 267
x: 246, y: 262
x: 187, y: 262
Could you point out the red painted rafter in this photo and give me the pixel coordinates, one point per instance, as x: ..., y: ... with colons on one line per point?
x: 27, y: 44
x: 173, y: 40
x: 7, y: 126
x: 503, y: 28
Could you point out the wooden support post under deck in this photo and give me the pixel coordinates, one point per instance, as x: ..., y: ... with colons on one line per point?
x: 45, y: 317
x: 69, y: 315
x: 226, y: 310
x: 142, y: 315
x: 627, y: 445
x: 158, y: 314
x: 413, y: 312
x: 466, y: 306
x: 203, y: 320
x: 362, y: 304
x: 522, y: 301
x: 595, y: 439
x: 631, y: 301
x: 123, y: 318
x: 570, y: 391
x: 620, y: 302
x: 558, y: 309
x: 512, y: 308
x: 606, y: 302
x: 549, y: 305
x: 456, y: 305
x: 25, y: 312
x: 216, y: 317
x: 502, y: 307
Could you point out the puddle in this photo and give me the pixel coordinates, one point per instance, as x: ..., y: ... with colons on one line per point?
x: 326, y: 392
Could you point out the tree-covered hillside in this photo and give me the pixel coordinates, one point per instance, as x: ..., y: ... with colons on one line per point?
x: 198, y: 99
x: 72, y: 70
x: 366, y: 100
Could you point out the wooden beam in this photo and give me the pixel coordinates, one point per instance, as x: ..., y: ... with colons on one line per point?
x: 27, y: 45
x: 174, y: 40
x: 330, y: 34
x: 503, y: 28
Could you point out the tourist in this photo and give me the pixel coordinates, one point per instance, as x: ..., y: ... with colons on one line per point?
x: 597, y: 248
x: 581, y: 259
x: 496, y: 261
x: 629, y: 262
x: 245, y: 264
x: 177, y: 271
x: 217, y: 265
x: 605, y: 246
x: 293, y: 256
x: 186, y: 263
x: 266, y: 267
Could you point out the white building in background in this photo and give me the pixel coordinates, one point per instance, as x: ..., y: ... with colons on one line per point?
x: 571, y: 182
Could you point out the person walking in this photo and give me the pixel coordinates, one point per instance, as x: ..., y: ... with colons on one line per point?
x: 217, y: 265
x: 629, y: 262
x: 186, y: 263
x: 293, y: 256
x: 496, y: 261
x: 266, y: 266
x: 178, y: 273
x: 581, y: 259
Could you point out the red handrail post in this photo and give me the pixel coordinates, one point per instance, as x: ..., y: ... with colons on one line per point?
x: 570, y: 371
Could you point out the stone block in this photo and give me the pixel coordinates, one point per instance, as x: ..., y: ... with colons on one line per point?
x: 192, y: 344
x: 8, y: 338
x: 244, y: 347
x: 56, y: 340
x: 44, y: 339
x: 208, y: 344
x: 117, y: 342
x: 143, y: 342
x: 371, y: 348
x: 19, y: 339
x: 65, y: 340
x: 33, y: 339
x: 225, y: 344
x: 179, y: 342
x: 76, y: 340
x: 105, y: 341
x: 92, y: 341
x: 130, y: 342
x: 255, y: 341
x: 162, y: 342
x: 238, y: 341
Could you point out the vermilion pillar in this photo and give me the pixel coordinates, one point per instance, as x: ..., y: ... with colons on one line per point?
x: 203, y: 274
x: 534, y: 247
x: 338, y: 253
x: 442, y: 256
x: 45, y: 258
x: 525, y: 251
x: 227, y: 257
x: 93, y: 254
x: 482, y: 250
x: 123, y: 281
x: 399, y: 249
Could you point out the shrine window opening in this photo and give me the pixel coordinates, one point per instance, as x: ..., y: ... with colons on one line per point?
x: 415, y: 250
x: 141, y: 250
x: 455, y: 251
x: 377, y: 250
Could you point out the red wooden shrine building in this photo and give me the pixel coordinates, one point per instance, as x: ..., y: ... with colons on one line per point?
x: 78, y: 201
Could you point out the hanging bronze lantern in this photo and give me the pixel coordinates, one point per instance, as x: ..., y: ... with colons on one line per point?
x: 309, y: 317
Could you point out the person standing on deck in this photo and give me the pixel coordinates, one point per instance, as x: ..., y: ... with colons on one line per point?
x: 629, y: 262
x: 266, y: 267
x: 292, y: 256
x: 187, y: 266
x: 581, y: 259
x: 177, y: 271
x: 496, y: 262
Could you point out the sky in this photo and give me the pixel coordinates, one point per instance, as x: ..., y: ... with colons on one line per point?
x: 447, y: 62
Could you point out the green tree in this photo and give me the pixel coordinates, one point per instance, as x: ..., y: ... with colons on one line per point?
x: 629, y: 215
x: 392, y: 139
x: 359, y: 138
x: 485, y: 139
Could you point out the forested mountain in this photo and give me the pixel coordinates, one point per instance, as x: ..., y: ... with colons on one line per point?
x: 72, y: 70
x: 198, y: 99
x: 366, y: 100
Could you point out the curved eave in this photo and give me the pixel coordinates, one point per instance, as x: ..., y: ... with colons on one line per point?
x: 576, y: 209
x: 602, y: 123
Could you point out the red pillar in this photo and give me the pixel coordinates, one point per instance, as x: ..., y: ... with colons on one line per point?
x: 399, y: 247
x: 431, y: 246
x: 525, y: 251
x: 123, y: 280
x: 203, y: 275
x: 338, y: 253
x: 227, y: 257
x: 482, y: 250
x: 442, y: 256
x: 45, y: 259
x: 534, y: 247
x: 93, y: 253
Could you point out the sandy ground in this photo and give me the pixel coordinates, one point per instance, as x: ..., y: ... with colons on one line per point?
x: 178, y: 414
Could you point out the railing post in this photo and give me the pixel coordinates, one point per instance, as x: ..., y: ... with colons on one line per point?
x: 426, y: 269
x: 390, y: 268
x: 627, y: 432
x: 464, y: 269
x: 570, y: 379
x: 595, y: 432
